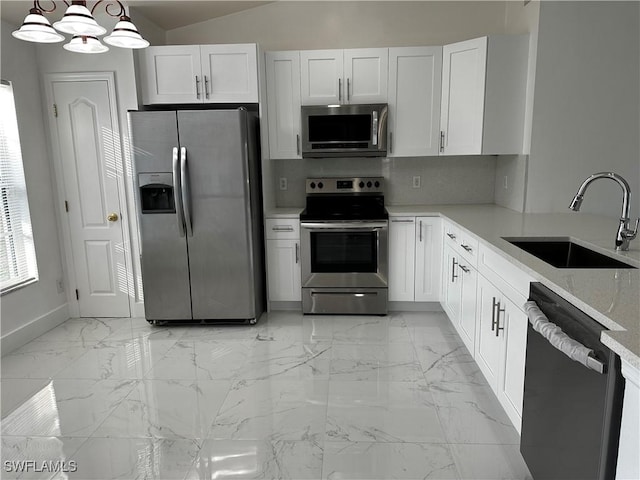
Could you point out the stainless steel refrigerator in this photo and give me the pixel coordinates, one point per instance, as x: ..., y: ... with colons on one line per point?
x: 198, y: 185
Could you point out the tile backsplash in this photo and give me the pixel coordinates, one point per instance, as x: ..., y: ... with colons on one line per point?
x: 444, y: 180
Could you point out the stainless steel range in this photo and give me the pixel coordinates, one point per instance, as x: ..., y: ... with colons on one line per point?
x: 344, y: 246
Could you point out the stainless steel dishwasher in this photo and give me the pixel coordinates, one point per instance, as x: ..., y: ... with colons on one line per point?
x: 571, y: 411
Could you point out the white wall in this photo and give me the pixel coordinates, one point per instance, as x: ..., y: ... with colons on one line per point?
x: 54, y: 59
x: 323, y: 24
x: 586, y: 114
x: 34, y: 309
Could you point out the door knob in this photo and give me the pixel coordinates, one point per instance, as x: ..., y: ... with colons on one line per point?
x: 112, y: 217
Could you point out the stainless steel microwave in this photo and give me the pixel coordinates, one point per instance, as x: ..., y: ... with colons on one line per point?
x: 344, y: 130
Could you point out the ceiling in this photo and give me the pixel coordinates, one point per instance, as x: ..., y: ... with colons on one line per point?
x: 164, y: 13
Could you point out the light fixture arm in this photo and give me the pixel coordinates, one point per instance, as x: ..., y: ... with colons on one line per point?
x: 38, y: 6
x: 111, y: 3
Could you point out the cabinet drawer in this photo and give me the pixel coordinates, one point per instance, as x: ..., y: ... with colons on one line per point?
x: 512, y: 281
x: 282, y: 228
x: 468, y: 247
x: 450, y: 235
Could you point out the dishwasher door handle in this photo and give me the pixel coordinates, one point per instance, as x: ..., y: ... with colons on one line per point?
x: 560, y: 340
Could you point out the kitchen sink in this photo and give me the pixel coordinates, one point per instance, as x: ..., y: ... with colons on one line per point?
x: 563, y: 253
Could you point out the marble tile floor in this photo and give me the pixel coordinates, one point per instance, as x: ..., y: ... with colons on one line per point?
x: 293, y: 397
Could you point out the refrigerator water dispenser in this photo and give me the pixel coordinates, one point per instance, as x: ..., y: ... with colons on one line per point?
x: 156, y: 192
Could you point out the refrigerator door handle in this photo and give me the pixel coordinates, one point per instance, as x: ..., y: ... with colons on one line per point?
x: 177, y: 195
x: 184, y: 190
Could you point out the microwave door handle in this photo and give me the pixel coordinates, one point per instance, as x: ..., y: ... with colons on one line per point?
x: 374, y: 128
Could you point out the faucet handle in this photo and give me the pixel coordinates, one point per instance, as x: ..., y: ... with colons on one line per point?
x: 629, y: 234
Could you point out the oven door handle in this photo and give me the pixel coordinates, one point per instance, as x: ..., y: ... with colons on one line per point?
x: 344, y: 226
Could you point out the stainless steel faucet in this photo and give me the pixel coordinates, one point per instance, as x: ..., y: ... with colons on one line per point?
x: 624, y: 234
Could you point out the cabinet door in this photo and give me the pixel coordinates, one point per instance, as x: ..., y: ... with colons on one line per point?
x: 230, y: 73
x: 468, y: 305
x: 489, y: 345
x: 283, y: 266
x: 366, y: 73
x: 415, y: 84
x: 511, y: 385
x: 321, y: 74
x: 171, y: 74
x: 283, y: 100
x: 452, y: 287
x: 463, y: 87
x: 428, y: 259
x: 402, y: 246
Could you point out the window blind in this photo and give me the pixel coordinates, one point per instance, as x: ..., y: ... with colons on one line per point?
x: 17, y: 253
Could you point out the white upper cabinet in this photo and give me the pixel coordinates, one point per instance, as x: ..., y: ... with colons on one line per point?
x: 483, y: 95
x: 283, y: 104
x: 199, y: 74
x: 415, y: 82
x: 344, y: 76
x: 171, y: 74
x: 230, y: 73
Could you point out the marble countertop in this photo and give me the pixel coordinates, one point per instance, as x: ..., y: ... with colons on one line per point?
x: 610, y: 296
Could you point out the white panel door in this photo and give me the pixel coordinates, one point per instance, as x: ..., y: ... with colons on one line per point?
x: 415, y: 84
x: 283, y: 265
x: 366, y: 72
x: 89, y: 143
x: 402, y: 244
x: 283, y: 100
x: 511, y: 385
x: 489, y: 340
x: 467, y: 320
x: 463, y: 86
x: 428, y: 259
x: 452, y: 285
x: 321, y: 73
x: 171, y: 74
x: 230, y: 73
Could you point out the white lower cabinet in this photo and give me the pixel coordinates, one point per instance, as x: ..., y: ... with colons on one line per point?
x: 501, y: 343
x: 283, y: 260
x: 414, y: 259
x: 459, y: 295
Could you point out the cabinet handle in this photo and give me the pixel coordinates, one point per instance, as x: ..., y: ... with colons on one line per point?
x: 453, y: 270
x: 282, y: 229
x: 494, y: 304
x: 498, y: 312
x: 441, y: 141
x: 340, y: 90
x: 466, y: 247
x: 401, y: 221
x: 298, y: 144
x: 297, y: 253
x: 420, y: 238
x: 197, y: 87
x: 206, y: 87
x: 464, y: 269
x: 451, y: 236
x: 348, y: 89
x: 390, y: 142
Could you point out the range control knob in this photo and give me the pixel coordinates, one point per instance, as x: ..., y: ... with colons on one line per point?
x: 361, y: 184
x: 320, y: 185
x: 368, y: 184
x: 312, y: 184
x: 377, y: 184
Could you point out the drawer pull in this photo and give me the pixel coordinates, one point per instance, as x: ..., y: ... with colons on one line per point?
x: 464, y: 269
x: 466, y: 247
x: 282, y: 229
x: 451, y: 236
x: 402, y: 221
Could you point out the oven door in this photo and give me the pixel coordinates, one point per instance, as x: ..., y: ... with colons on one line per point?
x: 350, y: 254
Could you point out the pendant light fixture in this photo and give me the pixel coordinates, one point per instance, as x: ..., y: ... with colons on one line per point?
x: 78, y: 21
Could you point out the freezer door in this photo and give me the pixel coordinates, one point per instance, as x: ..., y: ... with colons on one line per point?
x: 220, y: 253
x: 165, y: 266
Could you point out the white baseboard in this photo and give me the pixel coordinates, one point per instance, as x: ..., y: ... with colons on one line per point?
x: 414, y: 307
x: 290, y: 306
x: 137, y: 310
x: 18, y: 337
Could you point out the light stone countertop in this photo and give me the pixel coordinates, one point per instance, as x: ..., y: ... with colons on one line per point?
x: 610, y: 296
x: 290, y: 212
